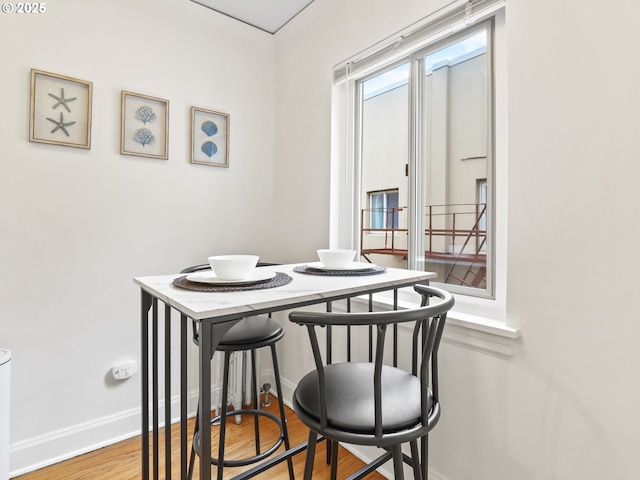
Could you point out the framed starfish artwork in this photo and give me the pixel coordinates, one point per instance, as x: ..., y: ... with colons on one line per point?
x: 60, y: 110
x: 144, y: 126
x: 209, y: 137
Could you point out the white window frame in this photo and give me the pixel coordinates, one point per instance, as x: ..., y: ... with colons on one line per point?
x: 487, y: 314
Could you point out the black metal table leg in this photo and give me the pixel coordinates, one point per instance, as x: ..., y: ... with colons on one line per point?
x: 155, y: 394
x: 145, y: 304
x: 183, y: 396
x: 205, y: 399
x: 167, y: 392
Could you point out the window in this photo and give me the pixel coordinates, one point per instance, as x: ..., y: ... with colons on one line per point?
x: 383, y: 210
x: 448, y: 162
x: 424, y: 127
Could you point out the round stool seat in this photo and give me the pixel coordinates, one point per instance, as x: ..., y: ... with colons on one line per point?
x: 351, y: 398
x: 251, y: 332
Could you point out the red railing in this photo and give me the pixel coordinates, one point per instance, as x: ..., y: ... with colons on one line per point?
x: 453, y: 218
x: 453, y: 233
x: 390, y: 215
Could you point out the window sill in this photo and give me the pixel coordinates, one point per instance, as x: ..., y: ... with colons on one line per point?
x: 481, y: 334
x: 473, y: 332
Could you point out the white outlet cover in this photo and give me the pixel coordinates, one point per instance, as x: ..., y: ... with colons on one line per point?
x: 125, y: 370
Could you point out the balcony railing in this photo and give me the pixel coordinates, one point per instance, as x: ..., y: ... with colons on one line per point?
x: 454, y: 234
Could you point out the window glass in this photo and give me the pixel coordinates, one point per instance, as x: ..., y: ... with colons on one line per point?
x: 377, y: 210
x: 425, y: 161
x: 454, y: 158
x: 385, y: 150
x: 383, y: 211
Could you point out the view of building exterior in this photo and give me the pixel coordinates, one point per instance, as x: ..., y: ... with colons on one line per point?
x: 452, y: 158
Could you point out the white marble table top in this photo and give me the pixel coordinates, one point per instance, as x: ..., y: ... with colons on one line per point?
x: 304, y: 289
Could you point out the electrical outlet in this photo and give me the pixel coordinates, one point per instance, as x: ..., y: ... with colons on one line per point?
x: 125, y: 370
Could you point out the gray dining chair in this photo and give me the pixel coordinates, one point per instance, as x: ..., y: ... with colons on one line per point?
x: 369, y: 402
x: 248, y: 335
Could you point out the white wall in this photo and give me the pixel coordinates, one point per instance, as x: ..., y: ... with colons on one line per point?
x: 565, y: 406
x: 324, y: 34
x: 77, y: 225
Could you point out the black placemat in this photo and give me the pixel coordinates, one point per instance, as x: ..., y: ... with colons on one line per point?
x: 278, y: 281
x: 360, y: 272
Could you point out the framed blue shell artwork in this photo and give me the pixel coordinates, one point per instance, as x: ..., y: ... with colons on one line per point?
x: 209, y: 137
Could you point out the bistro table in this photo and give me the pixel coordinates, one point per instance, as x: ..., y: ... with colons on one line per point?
x: 216, y: 313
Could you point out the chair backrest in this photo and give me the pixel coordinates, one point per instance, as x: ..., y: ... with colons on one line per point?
x: 196, y: 268
x: 429, y: 320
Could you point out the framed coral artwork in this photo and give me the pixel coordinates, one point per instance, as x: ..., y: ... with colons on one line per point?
x: 144, y: 126
x: 209, y: 137
x: 60, y: 110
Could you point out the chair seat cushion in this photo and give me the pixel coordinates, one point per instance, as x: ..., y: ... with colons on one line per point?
x: 250, y: 331
x: 350, y: 398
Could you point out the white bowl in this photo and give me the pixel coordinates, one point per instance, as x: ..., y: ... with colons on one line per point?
x: 233, y: 267
x: 336, y: 257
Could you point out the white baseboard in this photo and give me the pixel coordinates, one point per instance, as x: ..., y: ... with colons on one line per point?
x: 53, y: 447
x: 44, y: 450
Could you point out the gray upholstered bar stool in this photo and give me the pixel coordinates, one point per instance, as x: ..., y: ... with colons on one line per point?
x: 249, y: 334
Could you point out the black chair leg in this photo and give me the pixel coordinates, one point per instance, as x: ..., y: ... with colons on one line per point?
x: 283, y: 418
x: 398, y: 464
x: 311, y: 454
x: 424, y: 458
x: 223, y: 414
x: 256, y: 400
x: 328, y: 459
x: 415, y: 460
x: 334, y: 460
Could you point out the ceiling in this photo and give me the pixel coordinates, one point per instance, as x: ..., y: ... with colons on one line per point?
x: 267, y: 15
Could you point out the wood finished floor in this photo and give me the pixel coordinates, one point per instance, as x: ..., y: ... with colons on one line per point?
x: 122, y: 460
